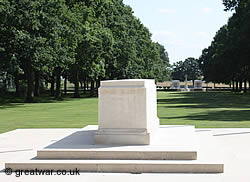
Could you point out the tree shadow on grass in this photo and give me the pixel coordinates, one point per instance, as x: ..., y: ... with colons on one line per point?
x: 10, y: 105
x: 15, y: 102
x: 226, y: 115
x: 205, y: 100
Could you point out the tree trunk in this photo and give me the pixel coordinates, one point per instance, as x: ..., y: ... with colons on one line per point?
x: 77, y: 92
x: 237, y: 86
x: 30, y: 81
x: 37, y: 84
x: 92, y: 88
x: 81, y: 84
x: 240, y: 85
x: 85, y: 86
x: 65, y: 84
x: 17, y: 85
x: 98, y: 82
x: 52, y: 85
x: 214, y: 85
x: 76, y: 83
x: 245, y: 86
x: 58, y: 83
x: 4, y: 85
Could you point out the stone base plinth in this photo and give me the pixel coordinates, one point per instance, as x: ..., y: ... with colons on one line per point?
x: 122, y: 137
x: 172, y: 150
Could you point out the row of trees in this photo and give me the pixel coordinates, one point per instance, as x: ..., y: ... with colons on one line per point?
x: 82, y: 40
x: 227, y: 59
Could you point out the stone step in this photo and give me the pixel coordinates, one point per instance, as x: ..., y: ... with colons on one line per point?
x: 171, y: 143
x: 120, y: 166
x: 115, y: 154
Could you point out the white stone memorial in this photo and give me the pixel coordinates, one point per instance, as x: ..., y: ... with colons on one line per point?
x: 175, y: 84
x: 186, y: 89
x: 127, y: 112
x: 197, y: 84
x: 124, y: 141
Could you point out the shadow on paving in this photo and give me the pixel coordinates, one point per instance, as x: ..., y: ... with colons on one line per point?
x: 80, y: 140
x: 205, y: 100
x: 226, y: 115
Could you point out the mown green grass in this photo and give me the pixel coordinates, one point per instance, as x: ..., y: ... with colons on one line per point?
x: 202, y: 109
x: 205, y: 109
x: 48, y: 113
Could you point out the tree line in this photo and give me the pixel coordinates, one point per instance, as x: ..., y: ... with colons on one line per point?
x: 83, y: 41
x: 227, y: 59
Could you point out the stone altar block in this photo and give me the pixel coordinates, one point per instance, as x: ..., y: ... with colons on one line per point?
x: 127, y: 112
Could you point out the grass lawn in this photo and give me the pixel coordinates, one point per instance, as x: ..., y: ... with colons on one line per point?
x: 205, y: 109
x: 202, y: 109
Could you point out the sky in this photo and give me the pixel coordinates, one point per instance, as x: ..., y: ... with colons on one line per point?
x: 184, y: 27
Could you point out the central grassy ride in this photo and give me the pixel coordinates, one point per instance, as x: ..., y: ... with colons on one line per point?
x: 202, y: 109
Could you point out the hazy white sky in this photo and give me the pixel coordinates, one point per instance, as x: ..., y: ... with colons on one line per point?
x: 184, y: 27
